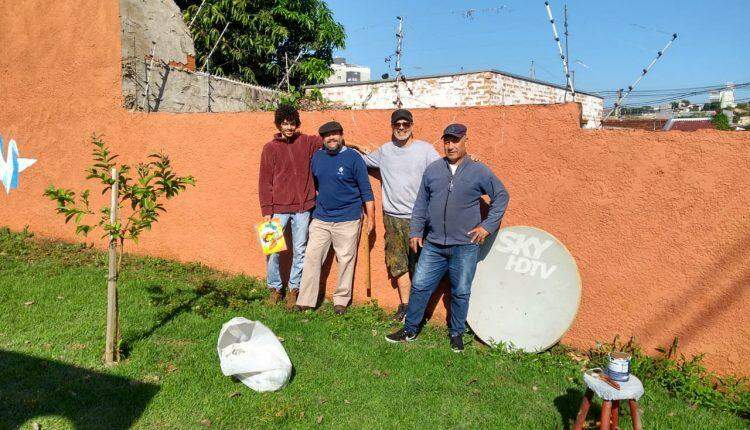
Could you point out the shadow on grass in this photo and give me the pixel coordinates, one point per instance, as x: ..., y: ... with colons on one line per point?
x: 34, y: 387
x: 569, y: 403
x: 210, y: 294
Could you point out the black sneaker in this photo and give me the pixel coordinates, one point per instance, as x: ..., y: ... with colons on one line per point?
x: 400, y: 336
x: 457, y: 343
x: 400, y: 313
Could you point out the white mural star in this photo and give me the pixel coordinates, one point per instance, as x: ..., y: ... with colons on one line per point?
x: 11, y: 166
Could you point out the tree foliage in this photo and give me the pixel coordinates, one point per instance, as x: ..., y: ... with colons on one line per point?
x: 721, y: 121
x: 263, y: 37
x: 141, y: 192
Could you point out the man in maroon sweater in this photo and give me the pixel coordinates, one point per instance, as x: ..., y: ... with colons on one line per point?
x: 287, y: 192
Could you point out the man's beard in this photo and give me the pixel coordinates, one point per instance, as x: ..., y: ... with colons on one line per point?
x: 335, y: 149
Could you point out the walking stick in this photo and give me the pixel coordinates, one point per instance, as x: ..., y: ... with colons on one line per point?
x: 367, y: 262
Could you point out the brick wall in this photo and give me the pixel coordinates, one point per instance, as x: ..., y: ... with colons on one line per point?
x: 461, y: 90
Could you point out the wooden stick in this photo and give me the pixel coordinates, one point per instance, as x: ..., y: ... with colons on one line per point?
x: 367, y: 261
x: 609, y: 381
x: 111, y: 339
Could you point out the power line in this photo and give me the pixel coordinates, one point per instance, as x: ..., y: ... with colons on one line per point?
x: 688, y: 94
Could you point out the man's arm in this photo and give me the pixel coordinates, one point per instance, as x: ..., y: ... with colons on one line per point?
x: 265, y: 183
x: 371, y: 158
x: 491, y: 185
x: 365, y: 190
x: 316, y: 142
x: 419, y: 216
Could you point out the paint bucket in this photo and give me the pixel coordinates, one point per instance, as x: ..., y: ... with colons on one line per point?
x: 618, y: 367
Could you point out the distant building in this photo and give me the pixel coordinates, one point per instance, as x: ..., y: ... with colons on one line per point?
x: 725, y: 97
x: 347, y: 73
x: 480, y: 88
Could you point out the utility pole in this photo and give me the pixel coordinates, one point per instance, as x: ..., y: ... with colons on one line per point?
x: 532, y: 71
x: 399, y: 39
x: 618, y: 108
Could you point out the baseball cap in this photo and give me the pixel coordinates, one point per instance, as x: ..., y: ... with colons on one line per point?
x: 401, y: 114
x: 457, y: 130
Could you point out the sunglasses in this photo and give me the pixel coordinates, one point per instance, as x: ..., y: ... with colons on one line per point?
x: 402, y: 124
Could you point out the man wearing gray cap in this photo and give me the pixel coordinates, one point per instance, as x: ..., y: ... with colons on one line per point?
x: 447, y: 223
x: 401, y: 161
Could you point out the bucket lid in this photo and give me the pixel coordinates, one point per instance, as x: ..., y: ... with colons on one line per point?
x: 620, y: 355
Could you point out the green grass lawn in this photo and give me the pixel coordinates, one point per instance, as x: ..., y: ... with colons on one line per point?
x: 52, y: 315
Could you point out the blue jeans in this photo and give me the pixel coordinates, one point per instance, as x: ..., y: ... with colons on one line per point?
x: 460, y: 261
x: 300, y: 222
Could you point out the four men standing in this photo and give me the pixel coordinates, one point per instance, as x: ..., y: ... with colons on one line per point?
x: 428, y: 202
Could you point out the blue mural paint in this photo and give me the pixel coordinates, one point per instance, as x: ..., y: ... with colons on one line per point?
x: 12, y: 165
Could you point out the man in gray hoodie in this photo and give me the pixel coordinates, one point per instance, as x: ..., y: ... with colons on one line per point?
x: 447, y: 223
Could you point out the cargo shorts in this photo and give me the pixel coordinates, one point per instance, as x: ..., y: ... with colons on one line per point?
x: 399, y: 258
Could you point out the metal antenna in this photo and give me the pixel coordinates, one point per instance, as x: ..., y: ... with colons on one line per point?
x: 621, y: 98
x: 560, y: 50
x: 567, y: 54
x: 196, y: 14
x: 289, y: 68
x: 147, y: 90
x: 532, y: 70
x: 397, y: 83
x: 214, y: 48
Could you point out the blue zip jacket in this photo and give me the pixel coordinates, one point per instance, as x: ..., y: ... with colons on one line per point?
x: 342, y: 183
x: 447, y: 205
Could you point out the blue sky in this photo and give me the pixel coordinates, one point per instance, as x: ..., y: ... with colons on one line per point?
x: 614, y: 40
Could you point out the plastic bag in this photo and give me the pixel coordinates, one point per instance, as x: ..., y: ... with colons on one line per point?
x: 271, y: 236
x: 250, y: 351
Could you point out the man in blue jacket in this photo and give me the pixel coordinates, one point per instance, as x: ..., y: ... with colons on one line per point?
x: 447, y: 223
x: 343, y: 189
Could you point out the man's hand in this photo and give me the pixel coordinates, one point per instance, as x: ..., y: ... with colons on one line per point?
x: 267, y: 218
x: 369, y: 225
x: 478, y: 235
x: 363, y: 148
x: 415, y: 243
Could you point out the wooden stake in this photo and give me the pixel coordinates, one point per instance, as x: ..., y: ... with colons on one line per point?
x: 367, y: 261
x: 111, y: 352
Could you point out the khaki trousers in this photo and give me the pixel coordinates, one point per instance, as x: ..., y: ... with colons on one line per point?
x: 345, y: 237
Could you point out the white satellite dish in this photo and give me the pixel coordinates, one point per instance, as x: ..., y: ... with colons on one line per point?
x: 526, y: 290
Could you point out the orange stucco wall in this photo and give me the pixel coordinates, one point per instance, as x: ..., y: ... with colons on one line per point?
x: 658, y: 222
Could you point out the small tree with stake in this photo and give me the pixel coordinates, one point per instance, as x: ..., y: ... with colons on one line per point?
x: 140, y: 193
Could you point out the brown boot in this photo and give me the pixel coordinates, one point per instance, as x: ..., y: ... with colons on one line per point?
x: 339, y: 309
x: 291, y: 299
x: 274, y: 296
